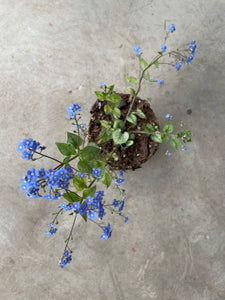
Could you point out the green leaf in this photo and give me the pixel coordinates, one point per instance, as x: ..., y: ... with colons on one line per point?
x: 84, y: 167
x: 175, y: 142
x: 116, y: 112
x: 66, y: 160
x: 132, y: 80
x: 132, y: 91
x: 107, y: 179
x: 115, y: 157
x: 156, y: 137
x: 105, y: 135
x: 164, y: 137
x: 185, y: 135
x: 110, y: 89
x: 66, y: 149
x: 89, y: 152
x: 101, y: 95
x: 140, y: 114
x: 143, y: 63
x: 129, y: 143
x: 148, y: 128
x: 120, y: 138
x: 156, y: 64
x: 118, y: 124
x: 160, y: 53
x: 72, y: 197
x: 168, y: 128
x: 114, y: 98
x: 107, y: 109
x: 132, y: 119
x: 84, y: 217
x: 80, y: 183
x: 89, y: 192
x: 105, y: 124
x: 74, y: 140
x: 146, y: 76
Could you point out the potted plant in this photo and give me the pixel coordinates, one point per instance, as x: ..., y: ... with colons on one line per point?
x: 122, y: 134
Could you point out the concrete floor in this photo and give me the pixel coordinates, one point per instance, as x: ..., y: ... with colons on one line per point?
x: 174, y: 246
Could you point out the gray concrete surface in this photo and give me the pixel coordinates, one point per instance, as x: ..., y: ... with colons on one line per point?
x: 174, y: 246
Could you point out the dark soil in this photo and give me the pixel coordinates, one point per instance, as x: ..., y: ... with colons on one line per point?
x: 143, y: 147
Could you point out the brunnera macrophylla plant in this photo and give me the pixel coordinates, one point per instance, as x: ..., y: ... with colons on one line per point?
x: 81, y: 174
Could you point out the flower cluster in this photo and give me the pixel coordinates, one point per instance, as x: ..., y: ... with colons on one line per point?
x: 107, y: 231
x: 120, y: 179
x: 171, y: 28
x: 51, y: 231
x: 66, y: 259
x: 96, y: 172
x: 91, y: 206
x: 163, y: 47
x: 72, y: 109
x: 137, y: 50
x: 27, y: 148
x: 54, y: 179
x: 190, y: 57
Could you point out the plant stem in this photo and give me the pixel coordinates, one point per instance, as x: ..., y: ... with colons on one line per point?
x: 44, y: 155
x: 142, y: 76
x: 93, y: 181
x: 139, y: 83
x: 53, y: 221
x: 71, y: 231
x: 62, y: 163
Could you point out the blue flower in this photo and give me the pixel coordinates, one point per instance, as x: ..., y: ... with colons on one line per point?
x: 96, y: 172
x: 99, y: 104
x: 118, y: 181
x: 101, y: 211
x: 27, y: 147
x: 161, y: 82
x: 126, y: 220
x: 82, y: 175
x: 51, y: 231
x: 115, y: 203
x: 163, y: 47
x: 42, y: 173
x: 192, y: 47
x: 168, y: 116
x: 92, y: 215
x: 121, y: 173
x: 169, y: 154
x: 189, y: 60
x: 65, y: 206
x: 71, y: 110
x: 102, y: 84
x: 186, y: 148
x: 178, y: 66
x: 97, y: 200
x: 66, y: 259
x: 66, y: 253
x: 171, y: 28
x: 75, y: 205
x: 121, y: 206
x: 107, y: 231
x: 89, y: 200
x: 137, y: 50
x: 48, y: 233
x: 83, y: 208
